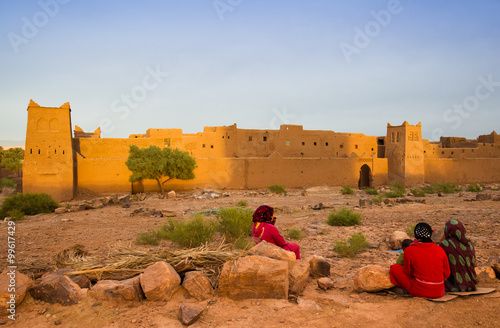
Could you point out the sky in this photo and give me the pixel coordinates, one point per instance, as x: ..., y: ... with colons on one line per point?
x: 343, y: 66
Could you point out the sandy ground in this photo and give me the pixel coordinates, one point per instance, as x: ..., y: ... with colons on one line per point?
x: 39, y: 238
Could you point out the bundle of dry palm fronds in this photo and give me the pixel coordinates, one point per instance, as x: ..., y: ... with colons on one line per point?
x: 124, y: 262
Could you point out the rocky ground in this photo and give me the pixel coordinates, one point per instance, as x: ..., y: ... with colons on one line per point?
x: 39, y: 238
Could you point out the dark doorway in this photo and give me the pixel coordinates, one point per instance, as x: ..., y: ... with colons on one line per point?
x: 365, y: 177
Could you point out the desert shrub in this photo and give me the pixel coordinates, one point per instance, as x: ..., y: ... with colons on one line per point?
x: 6, y: 182
x: 235, y: 222
x: 16, y: 214
x: 474, y: 188
x: 354, y: 245
x: 28, y: 204
x: 242, y: 203
x: 418, y: 192
x: 343, y: 217
x: 396, y: 190
x: 295, y: 233
x: 445, y: 188
x: 410, y: 230
x: 150, y: 237
x: 377, y: 200
x: 277, y: 189
x: 371, y: 191
x: 190, y: 233
x: 346, y: 190
x: 244, y: 243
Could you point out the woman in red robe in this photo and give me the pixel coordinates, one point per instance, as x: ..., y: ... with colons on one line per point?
x: 264, y: 229
x: 425, y: 267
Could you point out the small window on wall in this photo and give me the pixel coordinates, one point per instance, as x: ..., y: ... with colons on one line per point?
x: 342, y: 146
x: 249, y: 138
x: 326, y: 144
x: 166, y: 142
x: 264, y: 138
x: 38, y: 151
x: 203, y: 146
x: 392, y: 137
x: 287, y: 143
x: 63, y: 152
x: 303, y: 143
x: 356, y: 146
x: 31, y: 151
x: 398, y: 137
x: 211, y: 146
x: 315, y: 143
x: 442, y: 153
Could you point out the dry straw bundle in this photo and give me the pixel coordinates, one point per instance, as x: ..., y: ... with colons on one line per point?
x: 124, y: 262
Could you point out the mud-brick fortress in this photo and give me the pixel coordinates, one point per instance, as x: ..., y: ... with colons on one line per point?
x: 58, y: 161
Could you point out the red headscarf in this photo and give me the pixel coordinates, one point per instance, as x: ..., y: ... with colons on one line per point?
x: 264, y: 213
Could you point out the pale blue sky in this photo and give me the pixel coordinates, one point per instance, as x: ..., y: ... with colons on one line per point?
x: 346, y: 66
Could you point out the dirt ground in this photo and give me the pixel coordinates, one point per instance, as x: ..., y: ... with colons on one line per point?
x: 39, y: 238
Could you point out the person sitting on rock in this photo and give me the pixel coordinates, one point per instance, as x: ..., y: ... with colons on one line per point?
x: 461, y: 256
x: 425, y: 266
x: 404, y: 244
x: 264, y: 229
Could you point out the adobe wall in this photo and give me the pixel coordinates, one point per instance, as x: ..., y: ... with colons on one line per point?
x: 111, y: 175
x: 462, y: 171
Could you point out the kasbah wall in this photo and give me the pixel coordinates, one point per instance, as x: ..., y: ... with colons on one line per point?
x: 57, y: 161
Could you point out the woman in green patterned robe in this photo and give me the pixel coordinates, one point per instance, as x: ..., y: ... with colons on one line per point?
x: 461, y: 256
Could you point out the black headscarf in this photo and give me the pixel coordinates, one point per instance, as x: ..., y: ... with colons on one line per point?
x: 423, y: 232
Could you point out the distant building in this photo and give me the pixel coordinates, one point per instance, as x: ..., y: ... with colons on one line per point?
x: 57, y: 161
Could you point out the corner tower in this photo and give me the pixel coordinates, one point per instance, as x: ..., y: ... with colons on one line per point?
x: 405, y: 153
x: 48, y: 156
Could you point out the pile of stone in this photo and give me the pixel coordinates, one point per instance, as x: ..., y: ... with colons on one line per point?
x: 97, y: 203
x: 267, y: 271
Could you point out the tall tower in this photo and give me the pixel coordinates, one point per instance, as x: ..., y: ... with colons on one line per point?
x: 405, y: 153
x: 48, y: 155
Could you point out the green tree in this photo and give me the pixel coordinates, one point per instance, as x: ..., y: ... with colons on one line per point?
x: 162, y: 165
x: 12, y: 159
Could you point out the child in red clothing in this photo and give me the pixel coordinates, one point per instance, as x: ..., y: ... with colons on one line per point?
x: 264, y: 229
x: 425, y: 267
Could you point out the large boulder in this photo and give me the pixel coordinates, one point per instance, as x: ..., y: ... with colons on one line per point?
x: 485, y: 273
x: 272, y: 251
x: 159, y: 281
x: 198, y: 285
x: 320, y: 267
x: 254, y: 277
x: 372, y: 278
x: 298, y: 276
x: 13, y: 288
x: 494, y: 263
x: 80, y: 279
x: 396, y: 239
x: 56, y: 288
x: 118, y: 292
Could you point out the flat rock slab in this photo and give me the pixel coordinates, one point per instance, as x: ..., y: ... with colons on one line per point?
x: 478, y: 291
x: 452, y: 295
x: 444, y: 298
